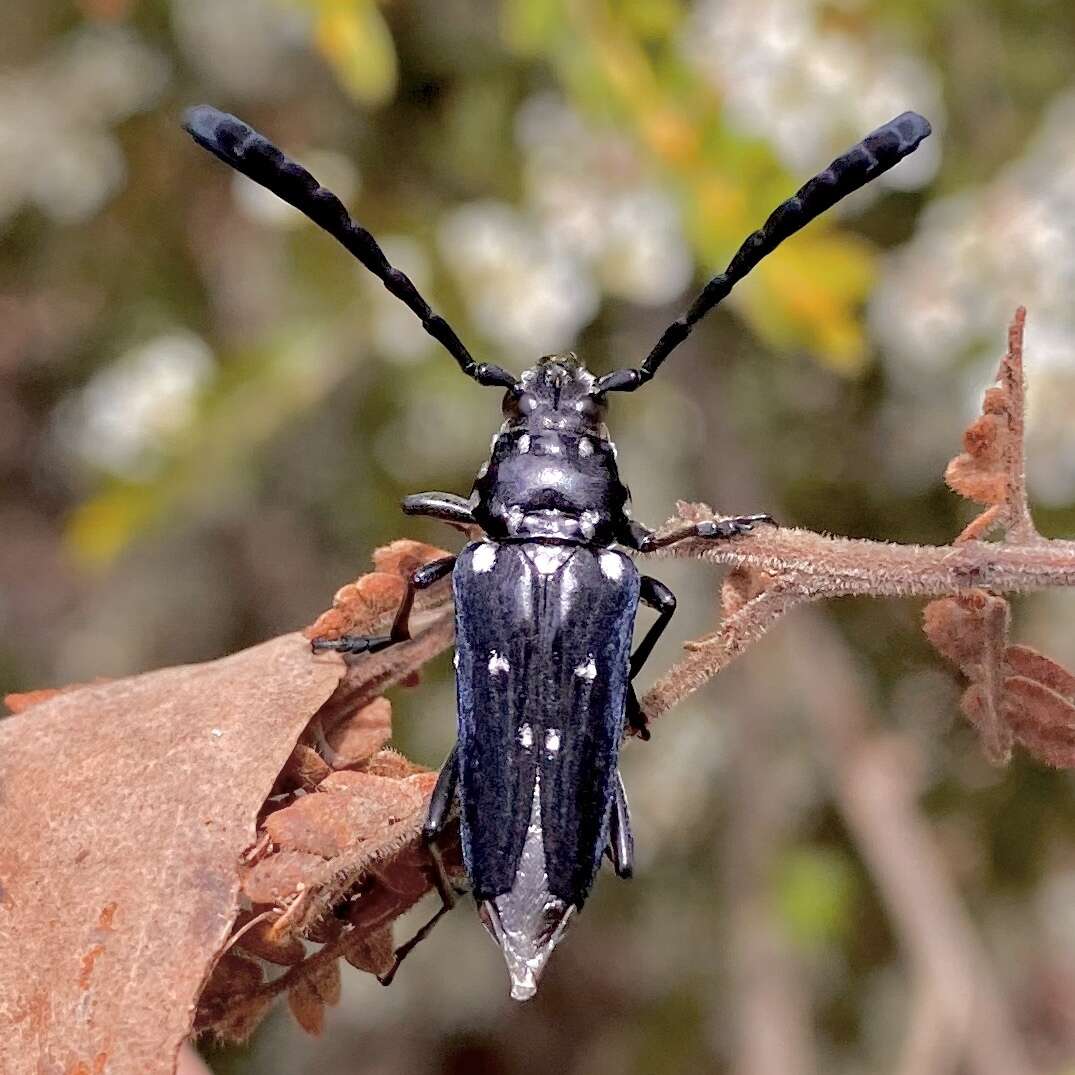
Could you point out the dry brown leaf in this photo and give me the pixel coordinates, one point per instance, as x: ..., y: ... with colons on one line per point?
x: 1042, y: 720
x: 1027, y: 662
x: 971, y: 630
x: 306, y: 1006
x: 358, y: 737
x: 358, y: 606
x: 1038, y: 704
x: 305, y: 769
x: 372, y: 952
x: 259, y: 940
x: 277, y: 878
x: 19, y: 703
x: 1015, y: 693
x: 990, y: 469
x: 127, y: 805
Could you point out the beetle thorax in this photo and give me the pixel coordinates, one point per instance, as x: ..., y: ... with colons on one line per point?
x: 552, y: 470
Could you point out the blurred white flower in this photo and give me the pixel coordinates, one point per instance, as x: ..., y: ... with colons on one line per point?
x: 122, y: 420
x: 522, y: 288
x: 243, y: 47
x: 812, y: 89
x: 946, y: 297
x: 593, y: 196
x: 592, y: 220
x: 57, y: 150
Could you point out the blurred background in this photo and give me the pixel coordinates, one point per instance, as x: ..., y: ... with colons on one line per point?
x: 208, y: 415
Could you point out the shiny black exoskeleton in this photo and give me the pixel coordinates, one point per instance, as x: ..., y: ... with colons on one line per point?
x: 545, y: 602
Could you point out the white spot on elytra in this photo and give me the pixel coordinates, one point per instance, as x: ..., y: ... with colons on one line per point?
x: 515, y: 516
x: 585, y: 448
x: 484, y: 558
x: 526, y: 736
x: 497, y: 664
x: 455, y: 662
x: 611, y: 566
x: 587, y: 670
x: 552, y: 740
x: 524, y: 444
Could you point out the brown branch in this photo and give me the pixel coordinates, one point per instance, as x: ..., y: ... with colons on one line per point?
x: 778, y: 568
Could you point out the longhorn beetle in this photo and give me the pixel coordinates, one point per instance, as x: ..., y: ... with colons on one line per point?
x: 545, y: 602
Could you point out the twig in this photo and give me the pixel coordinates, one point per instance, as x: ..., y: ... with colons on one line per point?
x: 875, y: 786
x: 793, y: 566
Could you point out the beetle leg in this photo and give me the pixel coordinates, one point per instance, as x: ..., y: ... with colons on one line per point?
x: 407, y: 947
x: 717, y: 529
x: 422, y: 579
x: 440, y: 802
x: 440, y: 805
x: 621, y: 843
x: 636, y: 719
x: 659, y: 597
x: 447, y: 507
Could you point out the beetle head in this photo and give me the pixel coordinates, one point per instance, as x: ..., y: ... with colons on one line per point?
x: 559, y: 392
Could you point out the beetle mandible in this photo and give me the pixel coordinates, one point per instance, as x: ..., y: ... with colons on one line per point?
x: 545, y: 602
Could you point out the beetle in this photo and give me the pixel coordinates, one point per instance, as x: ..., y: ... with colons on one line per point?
x: 545, y: 600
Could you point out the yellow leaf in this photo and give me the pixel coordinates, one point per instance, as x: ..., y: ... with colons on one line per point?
x: 353, y: 36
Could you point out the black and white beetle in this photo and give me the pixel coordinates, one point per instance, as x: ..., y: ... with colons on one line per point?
x: 545, y: 603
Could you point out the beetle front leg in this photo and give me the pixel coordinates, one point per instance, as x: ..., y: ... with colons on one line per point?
x: 712, y: 529
x: 447, y: 507
x: 422, y: 579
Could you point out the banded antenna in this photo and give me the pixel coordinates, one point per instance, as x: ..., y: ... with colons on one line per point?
x: 250, y: 153
x: 873, y: 156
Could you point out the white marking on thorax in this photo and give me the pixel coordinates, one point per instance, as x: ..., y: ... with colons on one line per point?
x: 524, y: 444
x: 484, y: 558
x: 611, y: 565
x: 587, y: 670
x: 585, y: 447
x: 497, y: 664
x: 550, y: 558
x: 588, y: 523
x: 552, y: 740
x: 526, y: 736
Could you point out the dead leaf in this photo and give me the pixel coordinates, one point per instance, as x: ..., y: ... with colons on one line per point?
x: 126, y: 806
x: 971, y: 630
x: 991, y: 468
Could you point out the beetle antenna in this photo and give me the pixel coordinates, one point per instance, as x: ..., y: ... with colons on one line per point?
x: 873, y: 156
x: 250, y: 153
